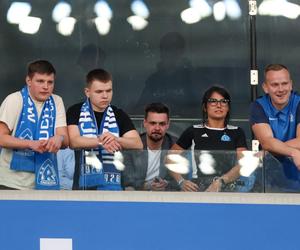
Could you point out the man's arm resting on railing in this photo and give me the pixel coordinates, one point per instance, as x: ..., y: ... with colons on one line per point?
x: 11, y: 142
x: 264, y: 135
x: 77, y: 141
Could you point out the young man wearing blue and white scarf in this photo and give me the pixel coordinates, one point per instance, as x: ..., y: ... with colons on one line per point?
x: 97, y: 129
x: 32, y: 129
x: 275, y: 121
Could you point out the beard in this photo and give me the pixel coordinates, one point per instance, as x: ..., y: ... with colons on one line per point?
x: 156, y: 137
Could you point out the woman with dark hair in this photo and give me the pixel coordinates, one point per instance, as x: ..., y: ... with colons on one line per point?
x: 212, y: 135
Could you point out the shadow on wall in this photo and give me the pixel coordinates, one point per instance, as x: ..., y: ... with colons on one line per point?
x: 91, y: 57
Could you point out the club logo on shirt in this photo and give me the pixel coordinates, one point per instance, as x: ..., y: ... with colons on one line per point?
x: 225, y: 138
x: 272, y: 119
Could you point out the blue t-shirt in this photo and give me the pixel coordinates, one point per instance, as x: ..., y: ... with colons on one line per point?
x: 282, y: 122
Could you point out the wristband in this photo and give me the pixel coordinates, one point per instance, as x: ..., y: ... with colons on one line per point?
x: 100, y: 143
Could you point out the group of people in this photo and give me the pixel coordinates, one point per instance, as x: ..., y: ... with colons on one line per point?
x: 34, y: 127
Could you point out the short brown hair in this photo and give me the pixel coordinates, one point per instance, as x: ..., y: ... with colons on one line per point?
x: 41, y: 67
x: 98, y: 74
x: 275, y: 67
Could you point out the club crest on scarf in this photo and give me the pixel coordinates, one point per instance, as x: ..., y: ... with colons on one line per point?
x: 26, y: 135
x: 47, y: 175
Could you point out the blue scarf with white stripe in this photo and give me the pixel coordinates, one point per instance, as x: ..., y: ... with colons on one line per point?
x: 31, y: 127
x: 105, y: 176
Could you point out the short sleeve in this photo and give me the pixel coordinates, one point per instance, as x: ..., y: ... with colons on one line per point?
x: 73, y: 114
x: 257, y: 114
x: 241, y: 139
x: 60, y: 112
x: 298, y: 114
x: 186, y: 138
x: 10, y: 110
x: 124, y: 122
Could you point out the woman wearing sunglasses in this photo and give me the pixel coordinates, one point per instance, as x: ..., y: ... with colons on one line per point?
x: 211, y: 141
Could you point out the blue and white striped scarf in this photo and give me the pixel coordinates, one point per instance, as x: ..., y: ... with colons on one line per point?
x: 31, y: 127
x: 108, y: 177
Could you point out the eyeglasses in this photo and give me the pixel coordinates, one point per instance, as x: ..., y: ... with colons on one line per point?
x: 214, y: 102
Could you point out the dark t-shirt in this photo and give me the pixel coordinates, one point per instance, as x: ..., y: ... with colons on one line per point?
x: 204, y: 138
x: 73, y: 113
x: 123, y: 120
x: 211, y: 139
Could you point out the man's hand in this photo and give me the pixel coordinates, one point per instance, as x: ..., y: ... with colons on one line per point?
x: 215, y: 186
x: 296, y: 157
x: 189, y: 186
x: 109, y: 142
x: 53, y: 144
x: 37, y: 145
x: 159, y: 184
x: 107, y: 137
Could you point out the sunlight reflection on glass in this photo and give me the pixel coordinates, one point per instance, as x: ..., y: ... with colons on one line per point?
x: 118, y: 161
x: 177, y: 163
x: 249, y: 162
x: 202, y: 6
x: 190, y: 16
x: 219, y: 11
x: 92, y: 160
x: 61, y: 11
x: 137, y: 22
x: 102, y: 25
x: 30, y: 25
x: 66, y: 26
x: 233, y: 9
x: 102, y: 9
x: 17, y: 11
x: 139, y: 8
x: 279, y: 8
x: 207, y: 163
